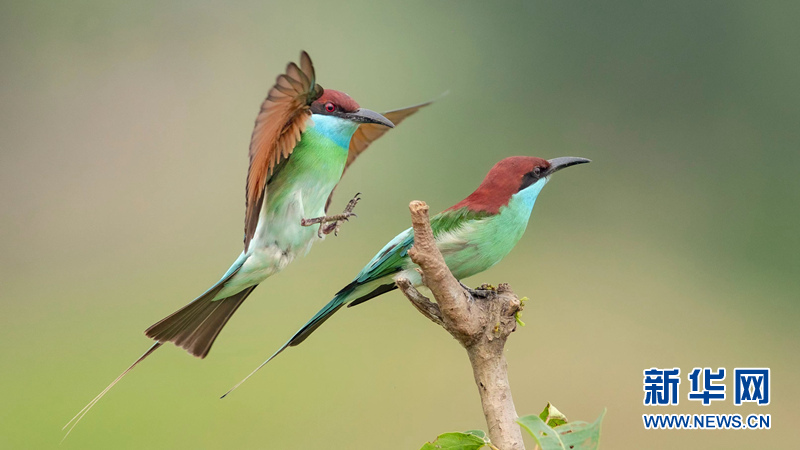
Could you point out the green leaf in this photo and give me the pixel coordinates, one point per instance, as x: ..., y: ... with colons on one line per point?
x: 544, y: 435
x: 471, y: 440
x: 480, y: 433
x: 552, y: 417
x: 567, y: 436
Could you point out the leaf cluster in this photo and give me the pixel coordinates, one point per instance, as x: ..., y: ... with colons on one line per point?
x: 550, y: 429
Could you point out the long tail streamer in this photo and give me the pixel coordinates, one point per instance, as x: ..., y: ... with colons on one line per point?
x: 74, y: 421
x: 283, y: 347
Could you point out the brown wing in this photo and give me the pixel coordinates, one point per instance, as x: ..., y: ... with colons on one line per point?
x: 282, y: 119
x: 368, y: 132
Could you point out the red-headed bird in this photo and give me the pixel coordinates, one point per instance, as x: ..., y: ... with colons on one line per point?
x: 473, y: 235
x: 304, y: 139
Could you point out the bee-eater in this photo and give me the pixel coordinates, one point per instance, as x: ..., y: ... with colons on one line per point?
x: 473, y: 235
x: 304, y: 139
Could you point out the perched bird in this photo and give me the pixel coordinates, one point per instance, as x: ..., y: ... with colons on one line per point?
x: 304, y: 139
x: 473, y: 235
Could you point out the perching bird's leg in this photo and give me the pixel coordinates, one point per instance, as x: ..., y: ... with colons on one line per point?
x: 328, y: 224
x: 482, y: 291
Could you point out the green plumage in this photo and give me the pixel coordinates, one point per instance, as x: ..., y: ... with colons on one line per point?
x: 470, y: 241
x: 472, y: 236
x: 298, y: 188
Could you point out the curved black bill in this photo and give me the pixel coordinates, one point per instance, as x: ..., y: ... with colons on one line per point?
x: 557, y: 164
x: 363, y: 115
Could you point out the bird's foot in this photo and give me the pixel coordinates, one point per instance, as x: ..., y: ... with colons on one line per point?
x: 481, y: 292
x: 331, y: 224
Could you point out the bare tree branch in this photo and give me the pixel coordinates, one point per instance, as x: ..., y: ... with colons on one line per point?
x: 422, y: 303
x: 481, y: 324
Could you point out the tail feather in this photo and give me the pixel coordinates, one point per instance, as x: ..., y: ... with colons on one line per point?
x: 342, y: 298
x: 324, y: 314
x: 380, y: 290
x: 195, y: 326
x: 212, y: 325
x: 315, y: 322
x: 74, y: 421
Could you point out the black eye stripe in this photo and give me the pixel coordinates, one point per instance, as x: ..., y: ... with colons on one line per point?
x: 531, y: 177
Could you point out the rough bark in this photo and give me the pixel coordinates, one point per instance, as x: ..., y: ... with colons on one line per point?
x: 480, y: 320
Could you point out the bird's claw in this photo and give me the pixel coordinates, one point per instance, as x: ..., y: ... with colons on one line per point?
x: 351, y: 205
x: 481, y: 292
x: 331, y: 224
x: 333, y: 227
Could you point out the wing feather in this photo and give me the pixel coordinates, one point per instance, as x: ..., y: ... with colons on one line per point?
x: 278, y: 128
x: 369, y: 132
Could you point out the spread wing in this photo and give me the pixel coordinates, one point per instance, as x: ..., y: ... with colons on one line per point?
x: 279, y: 124
x: 369, y: 132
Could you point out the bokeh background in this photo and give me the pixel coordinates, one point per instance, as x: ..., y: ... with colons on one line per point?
x: 124, y: 130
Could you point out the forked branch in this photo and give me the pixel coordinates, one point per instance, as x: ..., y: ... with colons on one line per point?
x: 480, y: 323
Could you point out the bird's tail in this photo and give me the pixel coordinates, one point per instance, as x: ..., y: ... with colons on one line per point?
x: 348, y: 294
x: 193, y: 327
x: 324, y: 314
x: 74, y: 421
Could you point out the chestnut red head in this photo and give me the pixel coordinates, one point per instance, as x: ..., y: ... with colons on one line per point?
x: 339, y: 104
x: 332, y: 101
x: 510, y: 176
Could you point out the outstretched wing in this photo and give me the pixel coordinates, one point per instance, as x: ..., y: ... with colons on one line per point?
x: 369, y: 132
x: 279, y: 124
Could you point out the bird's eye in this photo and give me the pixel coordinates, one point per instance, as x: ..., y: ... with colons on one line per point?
x: 330, y: 107
x: 537, y: 171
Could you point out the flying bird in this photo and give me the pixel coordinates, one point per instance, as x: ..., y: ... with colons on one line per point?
x: 473, y: 235
x: 304, y: 139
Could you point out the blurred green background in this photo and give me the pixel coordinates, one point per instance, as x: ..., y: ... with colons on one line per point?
x: 125, y: 128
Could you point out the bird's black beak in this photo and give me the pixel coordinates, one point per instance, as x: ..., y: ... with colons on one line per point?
x: 363, y: 115
x: 557, y: 164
